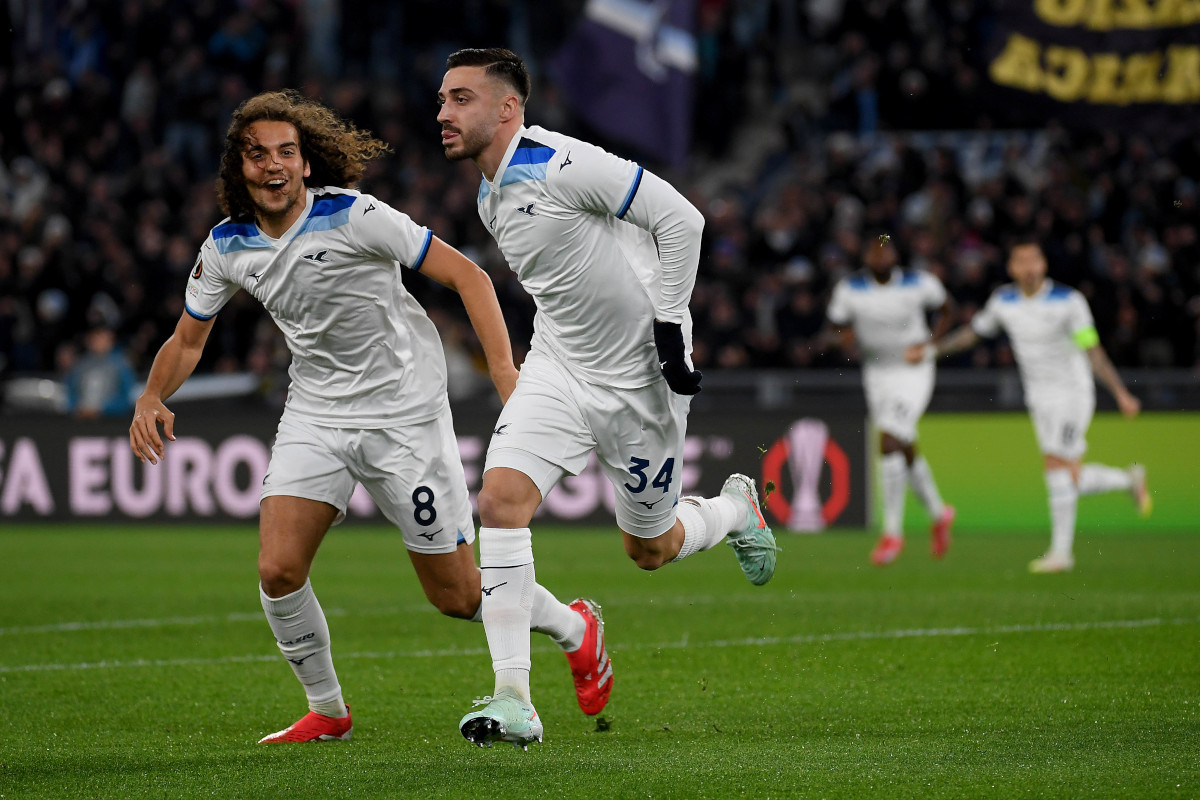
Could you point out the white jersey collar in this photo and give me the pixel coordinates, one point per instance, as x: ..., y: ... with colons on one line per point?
x: 1042, y: 291
x: 309, y: 194
x: 894, y: 277
x: 495, y: 183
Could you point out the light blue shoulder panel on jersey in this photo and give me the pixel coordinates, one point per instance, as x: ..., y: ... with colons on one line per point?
x: 329, y: 211
x: 230, y: 237
x: 1058, y: 292
x: 1008, y: 294
x: 909, y: 277
x: 858, y: 282
x: 528, y: 162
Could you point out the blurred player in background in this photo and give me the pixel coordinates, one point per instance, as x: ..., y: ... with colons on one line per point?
x: 882, y: 309
x: 367, y: 401
x: 609, y: 253
x: 1058, y: 351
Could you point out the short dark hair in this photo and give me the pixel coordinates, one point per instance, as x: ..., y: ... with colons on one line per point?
x: 498, y: 63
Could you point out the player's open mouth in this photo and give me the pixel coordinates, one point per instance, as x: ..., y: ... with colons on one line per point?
x: 447, y: 135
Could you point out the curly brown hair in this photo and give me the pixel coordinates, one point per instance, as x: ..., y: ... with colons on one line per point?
x: 337, y: 152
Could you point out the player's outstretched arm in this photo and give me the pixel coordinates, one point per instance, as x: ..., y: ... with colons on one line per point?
x: 176, y: 360
x: 841, y: 337
x: 945, y: 318
x: 964, y: 338
x: 1106, y: 373
x: 455, y: 271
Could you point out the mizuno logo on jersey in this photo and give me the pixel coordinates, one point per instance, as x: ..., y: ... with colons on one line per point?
x: 429, y: 536
x: 500, y: 430
x: 318, y: 258
x: 528, y: 210
x: 258, y: 275
x: 566, y: 160
x: 371, y: 207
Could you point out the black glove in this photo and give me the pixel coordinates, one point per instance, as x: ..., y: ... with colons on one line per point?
x: 668, y: 339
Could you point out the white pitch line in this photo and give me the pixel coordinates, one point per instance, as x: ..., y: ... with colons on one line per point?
x: 211, y: 619
x: 116, y: 624
x: 680, y: 644
x: 164, y: 622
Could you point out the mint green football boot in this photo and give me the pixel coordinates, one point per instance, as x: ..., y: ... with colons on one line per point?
x: 503, y: 718
x: 753, y: 543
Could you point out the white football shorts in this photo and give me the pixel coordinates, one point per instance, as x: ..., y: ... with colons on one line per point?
x: 413, y: 473
x: 1061, y: 424
x: 553, y: 422
x: 897, y: 396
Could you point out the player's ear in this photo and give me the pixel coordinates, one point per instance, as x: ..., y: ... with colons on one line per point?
x: 307, y: 169
x: 509, y: 108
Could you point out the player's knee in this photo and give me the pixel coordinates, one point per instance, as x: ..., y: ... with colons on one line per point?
x: 498, y: 509
x: 280, y: 577
x: 458, y: 605
x: 647, y: 558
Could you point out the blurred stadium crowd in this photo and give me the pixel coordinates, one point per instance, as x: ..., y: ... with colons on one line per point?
x: 815, y: 124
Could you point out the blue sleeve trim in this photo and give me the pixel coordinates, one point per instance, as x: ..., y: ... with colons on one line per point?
x: 637, y: 181
x: 200, y: 317
x: 424, y: 249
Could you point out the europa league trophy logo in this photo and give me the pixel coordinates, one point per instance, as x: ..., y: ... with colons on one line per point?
x: 806, y: 455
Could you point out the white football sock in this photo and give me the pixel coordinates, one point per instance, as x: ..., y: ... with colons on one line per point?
x: 920, y: 477
x: 557, y: 620
x: 302, y: 633
x: 506, y: 561
x: 1064, y: 499
x: 705, y: 522
x: 893, y: 474
x: 549, y: 616
x: 1098, y: 478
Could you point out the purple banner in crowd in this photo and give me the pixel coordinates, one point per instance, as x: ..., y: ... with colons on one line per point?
x: 1096, y: 64
x: 628, y: 70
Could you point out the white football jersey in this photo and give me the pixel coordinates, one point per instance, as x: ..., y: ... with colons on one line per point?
x: 364, y: 354
x: 1043, y: 331
x: 887, y: 317
x: 555, y: 207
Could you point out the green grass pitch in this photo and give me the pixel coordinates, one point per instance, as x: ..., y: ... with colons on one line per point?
x: 136, y: 663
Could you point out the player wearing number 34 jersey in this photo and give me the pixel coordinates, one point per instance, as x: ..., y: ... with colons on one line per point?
x: 367, y: 399
x: 609, y: 253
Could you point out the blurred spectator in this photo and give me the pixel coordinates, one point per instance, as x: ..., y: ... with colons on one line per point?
x: 99, y: 382
x: 814, y: 122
